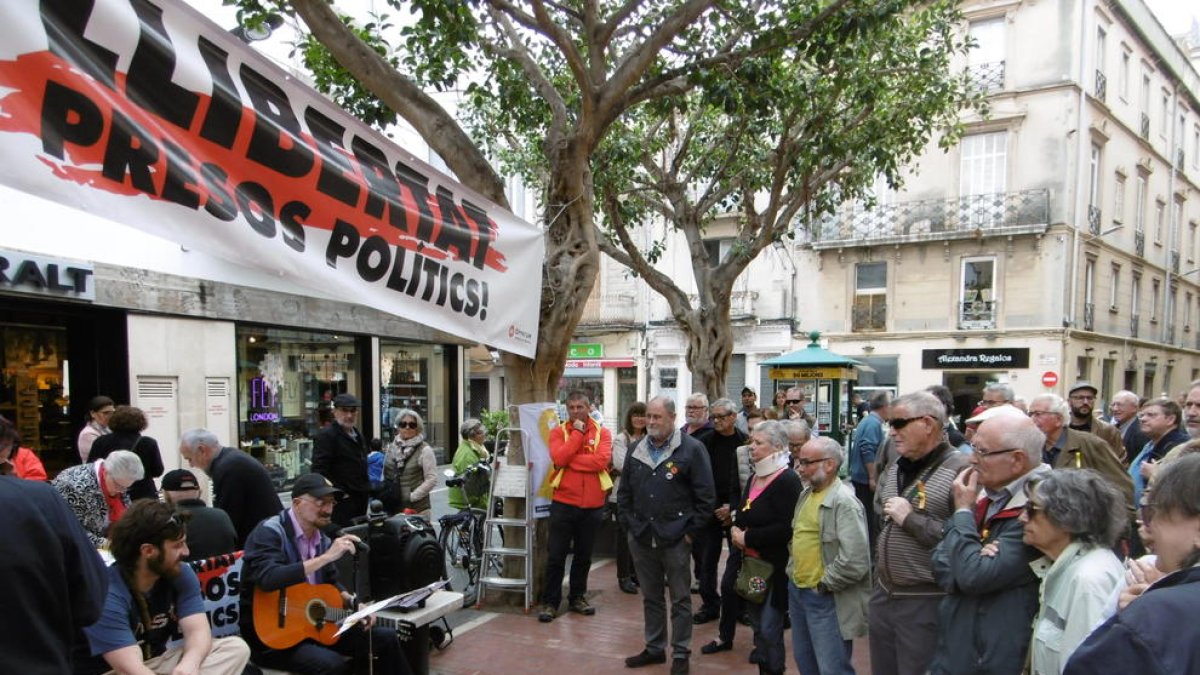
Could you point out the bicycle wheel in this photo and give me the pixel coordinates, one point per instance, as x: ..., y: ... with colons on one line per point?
x: 455, y: 541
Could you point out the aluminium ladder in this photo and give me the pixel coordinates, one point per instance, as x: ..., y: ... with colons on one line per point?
x: 508, y: 481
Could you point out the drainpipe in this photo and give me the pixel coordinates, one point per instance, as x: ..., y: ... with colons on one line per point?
x: 1081, y: 160
x: 1175, y: 213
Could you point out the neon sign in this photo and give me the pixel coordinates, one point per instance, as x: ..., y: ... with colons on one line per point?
x: 263, y: 403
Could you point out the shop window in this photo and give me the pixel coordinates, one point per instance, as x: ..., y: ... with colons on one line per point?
x: 414, y: 377
x: 34, y: 363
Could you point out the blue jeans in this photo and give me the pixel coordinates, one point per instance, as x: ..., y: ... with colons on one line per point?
x: 817, y: 641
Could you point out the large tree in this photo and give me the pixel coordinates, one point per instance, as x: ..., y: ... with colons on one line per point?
x: 773, y: 144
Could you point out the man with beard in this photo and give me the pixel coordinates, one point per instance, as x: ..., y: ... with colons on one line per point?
x: 1191, y: 410
x: 291, y: 549
x: 151, y: 598
x: 1082, y: 398
x: 697, y: 423
x: 1124, y: 407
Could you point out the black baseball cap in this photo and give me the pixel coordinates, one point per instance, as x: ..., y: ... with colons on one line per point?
x: 316, y: 485
x: 180, y: 479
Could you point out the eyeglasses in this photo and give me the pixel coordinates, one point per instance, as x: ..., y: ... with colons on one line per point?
x: 794, y: 401
x: 406, y: 425
x: 720, y: 416
x: 989, y: 453
x: 1039, y: 413
x: 1031, y: 509
x: 899, y: 423
x: 322, y: 502
x: 805, y: 463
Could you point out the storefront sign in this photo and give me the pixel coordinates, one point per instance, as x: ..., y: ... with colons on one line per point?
x: 600, y: 363
x: 264, y: 407
x: 149, y: 114
x: 972, y: 359
x: 25, y: 273
x: 803, y: 373
x: 586, y: 350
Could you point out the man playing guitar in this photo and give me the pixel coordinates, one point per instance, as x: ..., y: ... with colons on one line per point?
x: 291, y: 550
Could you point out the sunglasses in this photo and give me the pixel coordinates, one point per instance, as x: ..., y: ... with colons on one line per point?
x: 901, y: 422
x: 406, y: 425
x: 1031, y: 509
x: 809, y: 462
x: 794, y: 401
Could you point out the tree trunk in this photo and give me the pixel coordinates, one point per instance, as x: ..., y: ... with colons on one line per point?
x: 710, y: 348
x: 569, y: 272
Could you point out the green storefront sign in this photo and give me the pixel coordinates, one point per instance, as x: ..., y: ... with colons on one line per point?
x: 586, y: 350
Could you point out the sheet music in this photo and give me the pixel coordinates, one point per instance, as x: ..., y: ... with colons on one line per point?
x: 408, y: 599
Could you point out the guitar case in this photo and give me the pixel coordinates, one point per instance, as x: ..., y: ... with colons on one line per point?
x: 404, y: 554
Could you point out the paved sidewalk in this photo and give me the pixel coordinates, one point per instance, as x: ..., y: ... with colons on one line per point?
x: 504, y: 640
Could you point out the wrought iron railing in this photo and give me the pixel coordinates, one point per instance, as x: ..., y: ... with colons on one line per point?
x: 1139, y: 243
x: 1089, y: 316
x: 977, y: 314
x: 987, y: 76
x: 1101, y: 85
x: 610, y: 309
x: 1093, y: 217
x: 1134, y: 321
x: 962, y: 216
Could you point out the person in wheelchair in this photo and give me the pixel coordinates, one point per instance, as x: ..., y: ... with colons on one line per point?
x: 471, y: 452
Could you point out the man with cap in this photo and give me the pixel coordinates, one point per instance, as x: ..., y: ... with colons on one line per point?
x: 210, y: 531
x: 1082, y: 398
x: 291, y: 550
x: 340, y: 454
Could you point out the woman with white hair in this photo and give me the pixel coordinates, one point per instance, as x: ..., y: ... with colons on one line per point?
x: 410, y: 466
x: 469, y: 453
x: 96, y: 492
x: 1074, y: 517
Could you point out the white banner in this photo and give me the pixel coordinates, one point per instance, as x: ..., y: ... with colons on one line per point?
x: 536, y: 421
x: 220, y: 587
x: 147, y: 113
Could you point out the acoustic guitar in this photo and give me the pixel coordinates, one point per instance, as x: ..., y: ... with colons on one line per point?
x: 285, y: 617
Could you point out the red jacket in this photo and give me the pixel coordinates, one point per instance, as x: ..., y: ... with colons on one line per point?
x: 582, y: 456
x: 27, y: 464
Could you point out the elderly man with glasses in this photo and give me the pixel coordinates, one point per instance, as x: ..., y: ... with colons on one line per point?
x: 340, y: 454
x: 981, y: 562
x: 916, y: 498
x: 721, y: 445
x: 1067, y: 448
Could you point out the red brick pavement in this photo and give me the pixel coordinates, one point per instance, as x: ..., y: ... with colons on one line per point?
x: 509, y: 641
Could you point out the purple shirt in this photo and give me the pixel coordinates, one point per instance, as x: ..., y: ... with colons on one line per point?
x: 307, y: 546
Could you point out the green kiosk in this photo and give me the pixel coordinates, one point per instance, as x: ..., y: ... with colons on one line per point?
x: 827, y: 380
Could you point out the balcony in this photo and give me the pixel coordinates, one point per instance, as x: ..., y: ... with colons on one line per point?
x: 741, y: 303
x: 869, y: 313
x: 1101, y: 85
x: 1002, y: 213
x: 987, y: 76
x: 1139, y: 243
x: 1089, y: 316
x: 977, y: 314
x: 1144, y: 127
x: 609, y: 310
x: 1094, y: 218
x: 1133, y: 325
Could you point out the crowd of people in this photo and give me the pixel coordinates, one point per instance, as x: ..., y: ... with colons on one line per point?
x: 1041, y: 537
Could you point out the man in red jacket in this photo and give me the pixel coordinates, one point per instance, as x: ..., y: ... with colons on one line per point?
x: 580, y: 449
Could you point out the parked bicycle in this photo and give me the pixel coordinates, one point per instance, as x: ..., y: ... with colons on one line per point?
x: 462, y: 533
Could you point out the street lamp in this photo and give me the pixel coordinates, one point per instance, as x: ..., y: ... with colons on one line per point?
x: 260, y: 30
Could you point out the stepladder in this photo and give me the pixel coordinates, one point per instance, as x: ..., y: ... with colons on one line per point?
x: 507, y: 563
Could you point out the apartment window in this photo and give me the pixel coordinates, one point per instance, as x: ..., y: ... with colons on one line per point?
x: 1196, y: 146
x: 1135, y: 291
x: 1123, y: 73
x: 985, y: 61
x: 1139, y: 204
x: 977, y: 304
x: 983, y: 176
x: 1187, y: 311
x: 1160, y: 220
x: 1165, y: 117
x: 1101, y: 78
x: 1089, y: 289
x: 1144, y: 104
x: 870, y: 297
x: 1192, y: 226
x: 1155, y: 289
x: 1094, y: 177
x: 717, y: 249
x: 1119, y: 199
x: 1114, y: 292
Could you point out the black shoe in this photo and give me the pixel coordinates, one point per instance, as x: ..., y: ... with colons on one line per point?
x: 628, y: 586
x: 704, y: 616
x: 716, y: 646
x: 679, y: 666
x: 580, y: 606
x: 744, y: 619
x: 547, y: 614
x: 646, y: 658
